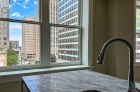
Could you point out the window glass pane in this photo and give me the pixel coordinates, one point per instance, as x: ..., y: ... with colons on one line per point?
x: 64, y: 12
x: 64, y: 45
x: 19, y: 44
x: 137, y: 31
x: 19, y: 9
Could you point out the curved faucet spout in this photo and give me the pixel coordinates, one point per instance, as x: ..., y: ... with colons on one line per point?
x: 131, y: 82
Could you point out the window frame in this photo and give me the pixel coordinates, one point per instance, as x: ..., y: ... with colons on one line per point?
x: 80, y: 2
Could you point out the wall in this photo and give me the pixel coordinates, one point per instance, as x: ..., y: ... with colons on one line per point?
x: 118, y: 16
x: 10, y: 87
x: 99, y: 31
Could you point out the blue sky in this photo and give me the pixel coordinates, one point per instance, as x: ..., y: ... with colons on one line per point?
x: 19, y: 9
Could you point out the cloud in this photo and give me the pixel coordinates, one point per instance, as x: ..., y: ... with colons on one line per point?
x: 22, y: 5
x: 15, y: 26
x: 15, y: 1
x: 35, y: 2
x: 10, y: 6
x: 26, y: 1
x: 16, y: 14
x: 18, y: 26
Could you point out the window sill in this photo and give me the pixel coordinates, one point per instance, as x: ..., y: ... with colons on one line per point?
x: 13, y: 76
x: 136, y: 64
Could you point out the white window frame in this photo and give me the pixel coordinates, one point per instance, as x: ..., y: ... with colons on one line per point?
x: 45, y: 47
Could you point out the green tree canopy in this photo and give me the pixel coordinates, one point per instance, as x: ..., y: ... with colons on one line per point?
x: 12, y: 58
x: 53, y: 58
x: 10, y: 52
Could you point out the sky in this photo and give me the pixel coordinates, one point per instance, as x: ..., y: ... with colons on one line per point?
x: 19, y: 9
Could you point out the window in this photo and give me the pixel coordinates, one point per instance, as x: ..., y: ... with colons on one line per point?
x: 5, y: 33
x: 4, y: 24
x: 5, y: 29
x: 4, y: 38
x: 15, y: 45
x: 4, y: 10
x: 137, y: 31
x: 5, y: 43
x: 22, y: 33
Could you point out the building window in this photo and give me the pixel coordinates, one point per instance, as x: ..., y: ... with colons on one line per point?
x: 4, y: 10
x: 4, y: 43
x: 4, y: 38
x: 4, y: 24
x: 5, y: 33
x: 15, y: 45
x: 5, y: 29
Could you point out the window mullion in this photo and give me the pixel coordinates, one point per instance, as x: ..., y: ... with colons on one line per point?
x: 45, y: 34
x: 19, y: 21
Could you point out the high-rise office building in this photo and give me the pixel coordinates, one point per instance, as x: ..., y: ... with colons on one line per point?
x: 4, y: 32
x: 4, y: 26
x: 53, y: 19
x: 68, y: 38
x: 30, y: 39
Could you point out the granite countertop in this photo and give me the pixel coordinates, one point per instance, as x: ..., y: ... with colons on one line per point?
x: 74, y: 81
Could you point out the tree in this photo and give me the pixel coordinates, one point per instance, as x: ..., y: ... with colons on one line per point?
x: 12, y: 58
x: 37, y: 62
x: 53, y: 58
x: 10, y: 52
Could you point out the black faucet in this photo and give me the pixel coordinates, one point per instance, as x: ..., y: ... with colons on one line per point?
x: 131, y: 82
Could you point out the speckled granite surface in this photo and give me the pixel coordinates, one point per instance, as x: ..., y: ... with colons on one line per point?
x: 74, y: 81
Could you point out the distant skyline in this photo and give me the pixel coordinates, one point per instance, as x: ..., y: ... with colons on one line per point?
x: 19, y: 9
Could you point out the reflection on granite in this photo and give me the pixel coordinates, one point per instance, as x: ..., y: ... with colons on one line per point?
x: 74, y: 81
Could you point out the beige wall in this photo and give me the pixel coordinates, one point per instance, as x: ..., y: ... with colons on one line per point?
x: 99, y: 31
x: 10, y: 87
x: 118, y: 17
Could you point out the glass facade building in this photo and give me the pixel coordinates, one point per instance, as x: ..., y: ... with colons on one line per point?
x: 68, y: 38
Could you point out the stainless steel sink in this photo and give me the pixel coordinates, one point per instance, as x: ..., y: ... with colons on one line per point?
x: 91, y: 91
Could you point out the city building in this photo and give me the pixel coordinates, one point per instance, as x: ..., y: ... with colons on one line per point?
x: 4, y: 26
x: 13, y: 44
x: 53, y: 19
x: 3, y: 57
x: 30, y: 37
x: 68, y: 39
